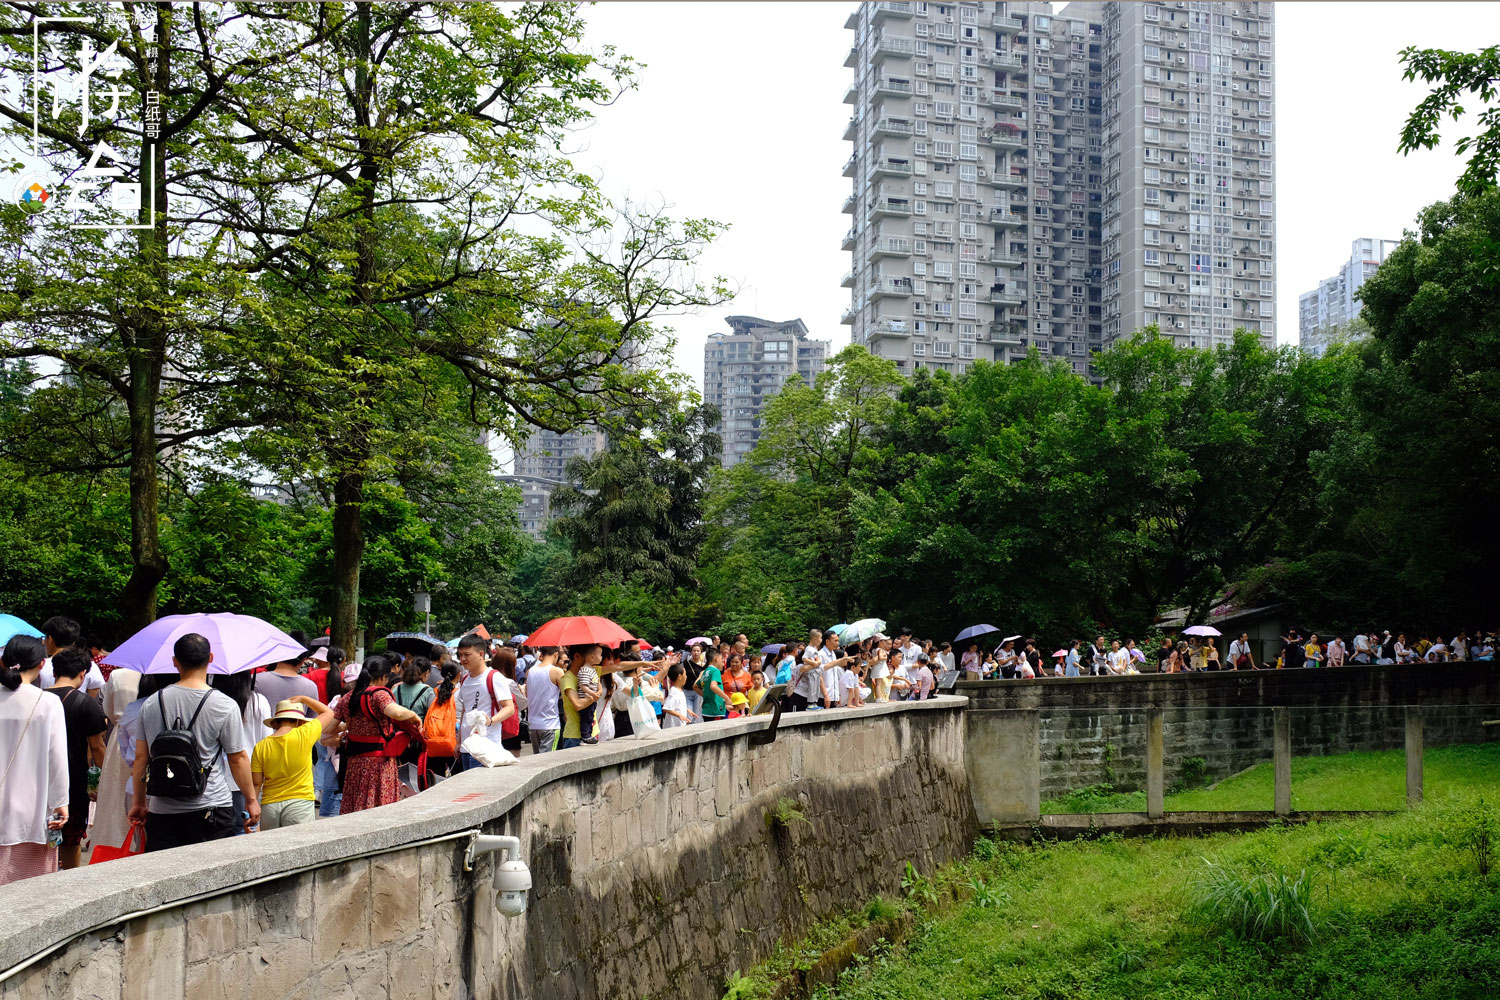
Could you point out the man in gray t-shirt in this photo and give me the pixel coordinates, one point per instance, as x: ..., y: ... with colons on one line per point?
x: 283, y: 683
x: 174, y: 822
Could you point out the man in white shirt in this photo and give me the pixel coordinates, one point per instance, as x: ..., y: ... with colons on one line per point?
x: 1099, y: 657
x: 832, y: 664
x: 482, y: 689
x: 807, y: 676
x: 1361, y: 649
x: 1459, y: 647
x: 1240, y: 657
x: 59, y: 632
x: 909, y: 647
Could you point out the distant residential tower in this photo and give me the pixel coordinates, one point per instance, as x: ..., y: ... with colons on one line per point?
x: 744, y: 368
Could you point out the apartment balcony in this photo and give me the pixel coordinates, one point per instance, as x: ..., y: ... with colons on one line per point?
x: 851, y: 166
x: 849, y: 241
x: 901, y: 48
x: 1004, y: 61
x: 1009, y: 179
x: 890, y: 328
x: 893, y: 88
x: 851, y: 96
x: 891, y: 168
x: 847, y: 281
x: 1005, y: 297
x: 893, y: 127
x: 880, y: 11
x: 849, y: 203
x: 1004, y: 258
x: 899, y: 208
x: 889, y: 247
x: 1007, y: 332
x: 1005, y: 24
x: 891, y: 287
x: 846, y: 318
x: 852, y: 59
x: 1004, y: 139
x: 852, y: 21
x: 1006, y: 219
x: 1007, y: 100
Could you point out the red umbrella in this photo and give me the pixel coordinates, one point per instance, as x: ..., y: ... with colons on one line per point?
x: 578, y: 629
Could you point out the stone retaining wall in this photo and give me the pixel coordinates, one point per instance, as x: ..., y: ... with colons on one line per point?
x: 1093, y: 729
x: 655, y: 874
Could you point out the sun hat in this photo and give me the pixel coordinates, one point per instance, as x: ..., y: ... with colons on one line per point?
x: 738, y: 698
x: 287, y: 711
x: 351, y: 673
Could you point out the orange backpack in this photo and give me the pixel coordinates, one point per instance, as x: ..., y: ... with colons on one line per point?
x: 440, y: 727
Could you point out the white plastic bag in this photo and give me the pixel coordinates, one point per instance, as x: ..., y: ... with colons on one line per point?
x: 478, y: 744
x: 487, y: 752
x: 643, y: 717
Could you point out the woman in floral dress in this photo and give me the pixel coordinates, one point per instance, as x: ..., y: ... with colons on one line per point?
x: 369, y: 714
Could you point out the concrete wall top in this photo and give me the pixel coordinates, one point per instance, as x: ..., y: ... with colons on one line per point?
x: 1467, y: 683
x: 47, y: 911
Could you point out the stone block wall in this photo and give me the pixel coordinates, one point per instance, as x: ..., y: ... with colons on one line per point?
x: 1093, y: 729
x: 655, y: 874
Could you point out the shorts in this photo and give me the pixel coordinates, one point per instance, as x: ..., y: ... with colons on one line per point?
x: 543, y: 740
x: 77, y: 826
x: 288, y: 812
x: 167, y: 830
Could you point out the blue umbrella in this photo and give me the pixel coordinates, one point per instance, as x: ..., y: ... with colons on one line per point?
x: 772, y: 649
x: 518, y: 638
x: 837, y: 630
x: 10, y: 626
x: 974, y: 631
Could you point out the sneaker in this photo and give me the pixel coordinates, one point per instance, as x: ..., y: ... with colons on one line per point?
x: 590, y: 741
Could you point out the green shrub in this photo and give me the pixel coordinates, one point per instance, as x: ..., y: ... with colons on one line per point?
x: 1264, y: 907
x: 881, y: 908
x: 1474, y: 825
x: 785, y: 814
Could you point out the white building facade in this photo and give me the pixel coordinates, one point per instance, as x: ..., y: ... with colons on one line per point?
x: 1324, y: 313
x: 1017, y: 184
x: 744, y: 368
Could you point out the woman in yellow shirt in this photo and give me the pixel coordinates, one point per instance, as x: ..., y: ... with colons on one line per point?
x: 282, y: 763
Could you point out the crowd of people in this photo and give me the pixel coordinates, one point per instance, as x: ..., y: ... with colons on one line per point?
x: 149, y: 761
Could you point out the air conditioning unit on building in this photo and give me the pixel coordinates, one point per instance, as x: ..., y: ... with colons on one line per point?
x: 1237, y: 293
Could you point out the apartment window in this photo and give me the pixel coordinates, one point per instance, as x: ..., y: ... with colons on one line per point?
x: 966, y: 270
x: 1152, y: 258
x: 1153, y: 237
x: 942, y: 269
x: 968, y: 152
x: 1152, y: 52
x: 1152, y: 12
x: 942, y: 349
x: 966, y: 351
x: 1153, y: 217
x: 918, y: 349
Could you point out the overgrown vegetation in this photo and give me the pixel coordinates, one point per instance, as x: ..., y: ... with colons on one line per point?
x: 1383, y: 908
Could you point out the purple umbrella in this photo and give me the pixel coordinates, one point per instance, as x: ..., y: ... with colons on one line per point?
x: 705, y: 640
x: 239, y: 642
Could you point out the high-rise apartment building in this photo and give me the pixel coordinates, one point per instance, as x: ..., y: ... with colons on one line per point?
x: 1189, y: 162
x: 744, y: 368
x: 1019, y: 184
x: 540, y: 466
x: 1334, y: 303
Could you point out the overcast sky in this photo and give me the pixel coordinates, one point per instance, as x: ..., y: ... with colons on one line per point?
x: 739, y: 117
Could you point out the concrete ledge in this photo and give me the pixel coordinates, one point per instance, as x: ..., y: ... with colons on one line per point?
x: 53, y: 909
x: 1076, y: 826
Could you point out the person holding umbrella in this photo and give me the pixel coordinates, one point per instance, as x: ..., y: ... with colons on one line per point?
x: 190, y: 808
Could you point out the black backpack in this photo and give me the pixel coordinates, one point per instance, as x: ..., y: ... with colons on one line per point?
x: 175, y: 770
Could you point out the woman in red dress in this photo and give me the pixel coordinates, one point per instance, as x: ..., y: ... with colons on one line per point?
x: 370, y: 713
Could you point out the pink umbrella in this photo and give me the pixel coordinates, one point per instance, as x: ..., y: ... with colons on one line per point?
x: 1201, y: 630
x: 238, y: 642
x: 1061, y: 652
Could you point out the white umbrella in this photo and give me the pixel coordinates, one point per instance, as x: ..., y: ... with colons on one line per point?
x: 1201, y: 630
x: 862, y: 629
x: 1009, y: 638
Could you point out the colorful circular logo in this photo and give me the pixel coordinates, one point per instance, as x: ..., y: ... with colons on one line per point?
x: 33, y: 194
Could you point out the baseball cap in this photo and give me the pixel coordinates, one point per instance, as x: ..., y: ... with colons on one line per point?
x: 351, y: 673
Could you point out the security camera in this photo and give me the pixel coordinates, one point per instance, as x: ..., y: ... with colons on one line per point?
x: 512, y: 877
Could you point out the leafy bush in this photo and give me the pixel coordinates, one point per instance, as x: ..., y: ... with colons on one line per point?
x: 1474, y: 825
x: 985, y: 849
x: 1265, y: 907
x: 986, y: 895
x: 881, y: 908
x: 918, y: 889
x: 785, y: 814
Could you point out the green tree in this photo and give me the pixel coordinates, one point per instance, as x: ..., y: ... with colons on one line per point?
x: 1459, y: 77
x: 1409, y: 486
x: 636, y: 514
x: 783, y: 519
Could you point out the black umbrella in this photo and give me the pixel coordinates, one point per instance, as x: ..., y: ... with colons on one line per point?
x: 321, y: 640
x: 415, y: 643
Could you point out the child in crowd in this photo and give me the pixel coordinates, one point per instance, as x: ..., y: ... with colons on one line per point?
x: 757, y: 688
x: 674, y: 707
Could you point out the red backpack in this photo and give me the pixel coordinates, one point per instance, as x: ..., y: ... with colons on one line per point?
x: 511, y: 727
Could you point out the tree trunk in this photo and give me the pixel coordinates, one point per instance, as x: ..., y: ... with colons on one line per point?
x: 146, y: 346
x: 348, y: 552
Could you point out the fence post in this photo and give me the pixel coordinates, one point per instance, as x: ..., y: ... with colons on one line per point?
x: 1413, y: 756
x: 1281, y: 741
x: 1155, y: 766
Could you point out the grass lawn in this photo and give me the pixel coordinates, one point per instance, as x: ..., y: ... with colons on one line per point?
x: 1362, y: 780
x: 1398, y: 908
